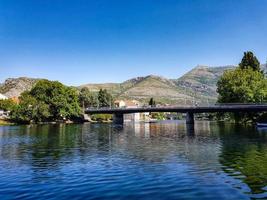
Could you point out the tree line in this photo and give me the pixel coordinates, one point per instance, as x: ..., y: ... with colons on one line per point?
x: 52, y: 101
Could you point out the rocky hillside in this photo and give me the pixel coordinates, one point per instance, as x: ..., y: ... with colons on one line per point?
x: 160, y: 88
x: 199, y: 85
x: 115, y: 88
x: 13, y: 87
x: 201, y: 81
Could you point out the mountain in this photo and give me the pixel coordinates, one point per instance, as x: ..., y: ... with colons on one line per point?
x: 115, y: 88
x: 13, y: 87
x: 201, y: 81
x: 198, y: 85
x: 142, y: 88
x: 160, y: 88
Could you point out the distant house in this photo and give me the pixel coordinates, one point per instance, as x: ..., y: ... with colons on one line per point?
x: 2, y: 97
x: 128, y: 104
x: 132, y: 104
x: 119, y: 103
x: 3, y: 113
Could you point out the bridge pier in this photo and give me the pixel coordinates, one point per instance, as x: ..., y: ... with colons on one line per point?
x: 190, y: 118
x: 118, y: 118
x: 86, y: 118
x: 190, y: 129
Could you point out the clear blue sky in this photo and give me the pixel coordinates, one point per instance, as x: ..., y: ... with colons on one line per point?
x: 85, y: 41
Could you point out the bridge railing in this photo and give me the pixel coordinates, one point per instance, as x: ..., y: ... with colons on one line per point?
x: 234, y: 104
x: 181, y: 106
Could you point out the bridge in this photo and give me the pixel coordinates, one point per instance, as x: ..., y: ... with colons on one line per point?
x: 189, y: 110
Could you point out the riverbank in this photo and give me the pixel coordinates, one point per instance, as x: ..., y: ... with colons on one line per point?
x: 5, y: 122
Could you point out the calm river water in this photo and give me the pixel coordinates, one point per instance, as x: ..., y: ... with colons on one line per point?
x: 164, y: 160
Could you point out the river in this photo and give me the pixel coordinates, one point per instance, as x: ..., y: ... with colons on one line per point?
x: 163, y: 160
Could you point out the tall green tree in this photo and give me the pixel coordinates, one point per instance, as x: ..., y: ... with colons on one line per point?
x: 104, y: 98
x: 7, y: 104
x: 250, y: 61
x: 152, y: 102
x: 63, y: 101
x: 242, y: 86
x: 30, y: 110
x: 87, y: 98
x: 245, y: 84
x: 47, y: 101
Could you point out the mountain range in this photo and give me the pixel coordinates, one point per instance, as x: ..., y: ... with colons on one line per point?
x: 198, y: 85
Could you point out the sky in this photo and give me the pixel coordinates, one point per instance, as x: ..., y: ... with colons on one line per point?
x: 95, y: 41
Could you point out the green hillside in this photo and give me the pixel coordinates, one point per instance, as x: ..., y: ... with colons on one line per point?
x: 198, y: 85
x: 201, y: 82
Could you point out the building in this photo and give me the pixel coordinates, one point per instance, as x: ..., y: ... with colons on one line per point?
x: 2, y: 97
x: 132, y: 104
x: 3, y: 114
x: 128, y: 104
x: 119, y: 103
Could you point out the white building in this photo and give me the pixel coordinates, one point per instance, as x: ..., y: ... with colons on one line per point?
x: 2, y: 97
x: 119, y: 103
x: 129, y: 104
x: 3, y: 113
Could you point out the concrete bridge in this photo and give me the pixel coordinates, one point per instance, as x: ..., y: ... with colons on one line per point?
x: 189, y: 110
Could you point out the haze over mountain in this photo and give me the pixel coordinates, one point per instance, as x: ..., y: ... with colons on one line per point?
x: 198, y: 85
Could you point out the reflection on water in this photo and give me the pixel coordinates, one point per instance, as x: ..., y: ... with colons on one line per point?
x: 165, y: 160
x: 246, y: 159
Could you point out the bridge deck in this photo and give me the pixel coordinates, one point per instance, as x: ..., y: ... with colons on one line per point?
x: 183, y: 109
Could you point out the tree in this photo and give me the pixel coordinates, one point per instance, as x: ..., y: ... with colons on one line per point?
x: 250, y: 61
x: 30, y: 109
x: 63, y: 101
x: 104, y: 98
x: 242, y: 86
x: 87, y: 98
x: 245, y: 84
x: 158, y: 115
x: 7, y: 104
x: 152, y: 102
x: 47, y: 101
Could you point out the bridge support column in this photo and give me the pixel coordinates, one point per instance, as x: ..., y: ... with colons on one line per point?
x: 86, y: 118
x: 190, y: 129
x: 190, y: 118
x: 118, y: 118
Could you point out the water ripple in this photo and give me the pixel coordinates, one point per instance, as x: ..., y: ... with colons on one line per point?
x: 136, y: 161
